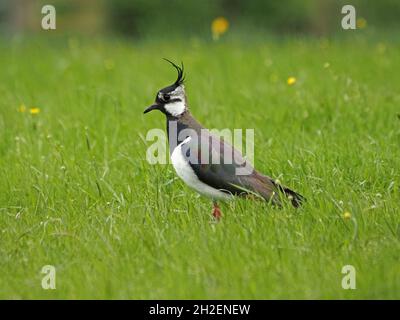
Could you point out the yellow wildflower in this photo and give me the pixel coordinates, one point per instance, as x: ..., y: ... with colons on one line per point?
x: 291, y: 81
x: 347, y: 215
x: 361, y: 23
x: 219, y: 26
x: 22, y: 108
x: 34, y: 110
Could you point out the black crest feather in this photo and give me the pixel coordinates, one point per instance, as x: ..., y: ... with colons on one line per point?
x: 179, y: 69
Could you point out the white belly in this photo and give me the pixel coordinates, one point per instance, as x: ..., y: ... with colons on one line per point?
x: 186, y: 173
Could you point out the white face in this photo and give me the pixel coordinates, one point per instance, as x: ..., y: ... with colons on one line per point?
x: 175, y: 108
x: 176, y: 105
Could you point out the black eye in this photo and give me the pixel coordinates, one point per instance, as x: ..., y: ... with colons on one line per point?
x: 166, y: 97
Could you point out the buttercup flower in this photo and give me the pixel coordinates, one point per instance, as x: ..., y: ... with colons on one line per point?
x: 361, y: 23
x: 218, y: 27
x: 34, y: 110
x: 22, y: 108
x: 347, y: 215
x: 291, y: 81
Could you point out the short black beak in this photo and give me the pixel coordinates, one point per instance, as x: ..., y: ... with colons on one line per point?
x: 151, y: 108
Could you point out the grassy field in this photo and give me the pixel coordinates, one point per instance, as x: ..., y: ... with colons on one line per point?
x: 76, y: 191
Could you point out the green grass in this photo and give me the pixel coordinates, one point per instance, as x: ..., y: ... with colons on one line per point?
x: 76, y: 191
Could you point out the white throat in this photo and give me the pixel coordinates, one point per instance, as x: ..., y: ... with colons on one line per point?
x: 175, y: 108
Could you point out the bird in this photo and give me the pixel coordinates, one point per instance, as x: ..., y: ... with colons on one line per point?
x: 205, y: 167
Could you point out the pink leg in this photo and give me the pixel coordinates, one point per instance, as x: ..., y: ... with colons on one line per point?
x: 216, y: 212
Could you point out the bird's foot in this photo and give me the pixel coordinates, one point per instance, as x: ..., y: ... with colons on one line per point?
x: 216, y: 212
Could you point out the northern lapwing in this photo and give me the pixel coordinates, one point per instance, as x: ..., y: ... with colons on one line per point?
x: 212, y: 168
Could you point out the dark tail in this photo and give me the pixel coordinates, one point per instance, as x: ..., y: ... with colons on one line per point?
x: 296, y: 198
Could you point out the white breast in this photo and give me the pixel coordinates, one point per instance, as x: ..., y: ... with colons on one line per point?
x: 186, y: 173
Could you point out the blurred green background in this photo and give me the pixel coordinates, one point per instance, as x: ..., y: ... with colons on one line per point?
x: 143, y: 18
x: 77, y: 192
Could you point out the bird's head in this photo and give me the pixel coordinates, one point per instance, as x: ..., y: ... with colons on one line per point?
x: 171, y: 100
